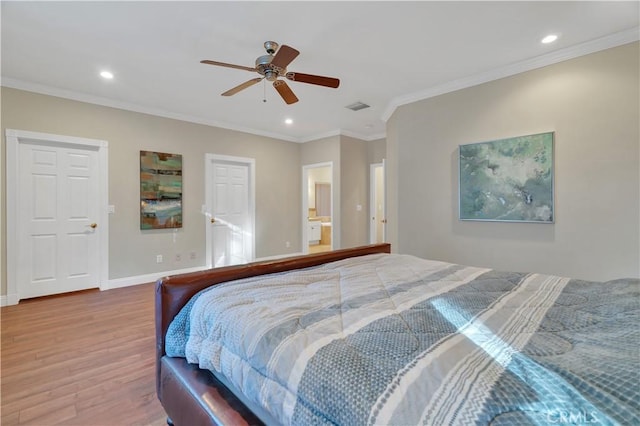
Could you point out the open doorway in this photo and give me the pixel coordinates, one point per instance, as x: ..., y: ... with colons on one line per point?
x: 377, y: 203
x: 317, y: 208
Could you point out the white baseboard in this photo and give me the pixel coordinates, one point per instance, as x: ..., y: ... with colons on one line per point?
x: 8, y: 300
x: 147, y: 278
x: 12, y: 299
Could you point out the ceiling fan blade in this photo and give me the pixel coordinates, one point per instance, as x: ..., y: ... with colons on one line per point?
x: 222, y: 64
x: 242, y: 86
x: 285, y: 91
x: 313, y: 79
x: 284, y: 56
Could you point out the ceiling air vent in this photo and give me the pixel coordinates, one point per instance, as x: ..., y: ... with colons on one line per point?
x: 357, y: 106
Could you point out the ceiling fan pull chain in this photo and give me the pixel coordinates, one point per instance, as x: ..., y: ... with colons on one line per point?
x: 264, y: 91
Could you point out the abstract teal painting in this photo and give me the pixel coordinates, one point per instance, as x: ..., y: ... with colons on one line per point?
x: 508, y: 179
x: 160, y: 190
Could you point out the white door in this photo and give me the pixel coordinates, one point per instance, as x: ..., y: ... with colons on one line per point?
x: 58, y: 217
x: 230, y: 208
x: 377, y: 203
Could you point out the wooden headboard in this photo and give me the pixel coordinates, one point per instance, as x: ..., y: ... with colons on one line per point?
x: 172, y: 293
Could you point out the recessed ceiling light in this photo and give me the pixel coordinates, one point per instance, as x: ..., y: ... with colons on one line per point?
x: 288, y: 121
x: 106, y: 74
x: 549, y: 39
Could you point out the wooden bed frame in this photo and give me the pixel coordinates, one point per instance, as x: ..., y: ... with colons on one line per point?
x: 189, y: 395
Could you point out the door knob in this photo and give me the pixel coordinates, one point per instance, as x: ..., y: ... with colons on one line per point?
x: 94, y: 225
x: 213, y: 220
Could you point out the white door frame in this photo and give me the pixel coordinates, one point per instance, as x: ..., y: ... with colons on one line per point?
x: 305, y: 204
x: 14, y: 138
x: 209, y: 159
x: 372, y: 198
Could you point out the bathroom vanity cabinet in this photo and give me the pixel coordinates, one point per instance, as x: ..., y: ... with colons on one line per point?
x: 314, y: 231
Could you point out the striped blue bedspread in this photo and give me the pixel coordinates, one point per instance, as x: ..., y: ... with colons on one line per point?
x: 396, y: 340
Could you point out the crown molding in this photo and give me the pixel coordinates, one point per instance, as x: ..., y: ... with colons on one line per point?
x: 607, y: 42
x: 363, y: 137
x: 618, y: 39
x: 319, y: 136
x: 97, y: 100
x: 343, y: 132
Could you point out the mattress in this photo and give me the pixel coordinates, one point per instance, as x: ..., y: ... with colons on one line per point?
x: 395, y: 339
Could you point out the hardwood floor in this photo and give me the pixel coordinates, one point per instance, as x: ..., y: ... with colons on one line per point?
x: 84, y: 358
x: 319, y: 248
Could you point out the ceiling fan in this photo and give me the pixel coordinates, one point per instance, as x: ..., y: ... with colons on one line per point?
x: 271, y: 67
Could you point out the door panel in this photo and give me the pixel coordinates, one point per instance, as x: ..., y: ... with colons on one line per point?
x: 44, y: 254
x: 377, y: 203
x: 78, y: 251
x: 220, y: 246
x: 57, y: 200
x: 232, y: 218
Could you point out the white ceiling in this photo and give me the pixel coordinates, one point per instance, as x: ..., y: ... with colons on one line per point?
x: 385, y: 53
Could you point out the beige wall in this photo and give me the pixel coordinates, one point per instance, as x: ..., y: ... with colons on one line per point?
x: 591, y: 103
x: 132, y: 252
x: 355, y: 192
x: 376, y: 150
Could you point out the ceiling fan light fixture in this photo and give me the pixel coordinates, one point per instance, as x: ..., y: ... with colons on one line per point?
x: 271, y: 75
x: 271, y: 47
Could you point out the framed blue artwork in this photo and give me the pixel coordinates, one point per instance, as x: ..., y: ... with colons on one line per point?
x: 508, y: 180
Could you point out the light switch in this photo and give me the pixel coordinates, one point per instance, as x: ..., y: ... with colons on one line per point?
x: 359, y: 207
x: 111, y: 209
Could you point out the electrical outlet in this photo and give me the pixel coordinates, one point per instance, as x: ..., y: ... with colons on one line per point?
x: 178, y: 257
x: 192, y: 255
x: 287, y: 244
x: 159, y: 258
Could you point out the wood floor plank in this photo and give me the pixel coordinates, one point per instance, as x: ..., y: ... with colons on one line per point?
x: 84, y: 358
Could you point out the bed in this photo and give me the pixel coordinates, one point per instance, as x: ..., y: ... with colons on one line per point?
x: 363, y: 336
